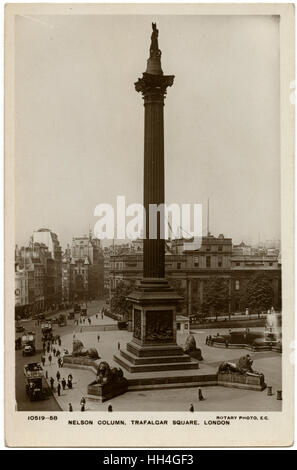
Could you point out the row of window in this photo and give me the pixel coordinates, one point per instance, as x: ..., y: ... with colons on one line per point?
x: 214, y: 248
x: 238, y: 263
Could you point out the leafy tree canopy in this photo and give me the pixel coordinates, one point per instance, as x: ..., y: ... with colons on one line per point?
x: 259, y: 293
x: 119, y: 303
x: 216, y: 296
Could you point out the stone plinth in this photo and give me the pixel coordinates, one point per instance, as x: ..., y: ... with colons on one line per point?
x: 154, y: 347
x: 103, y: 392
x: 245, y: 381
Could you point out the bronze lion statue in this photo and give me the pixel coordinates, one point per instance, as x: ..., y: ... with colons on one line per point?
x: 78, y: 350
x: 107, y: 375
x: 242, y: 366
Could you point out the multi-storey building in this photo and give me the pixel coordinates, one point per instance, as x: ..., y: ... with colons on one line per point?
x: 83, y: 270
x: 191, y: 269
x: 53, y: 264
x: 21, y: 291
x: 39, y: 265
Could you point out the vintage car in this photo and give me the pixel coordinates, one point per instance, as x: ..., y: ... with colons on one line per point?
x: 19, y: 329
x: 28, y: 350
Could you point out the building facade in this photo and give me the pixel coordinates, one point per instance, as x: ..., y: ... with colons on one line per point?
x: 190, y: 270
x: 39, y: 266
x: 83, y: 270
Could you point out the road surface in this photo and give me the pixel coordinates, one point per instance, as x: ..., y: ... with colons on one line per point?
x: 22, y: 399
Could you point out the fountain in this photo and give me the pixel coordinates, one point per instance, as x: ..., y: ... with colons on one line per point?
x: 267, y: 340
x: 272, y: 333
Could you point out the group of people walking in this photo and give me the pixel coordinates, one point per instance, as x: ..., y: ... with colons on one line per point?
x: 61, y: 383
x: 82, y: 405
x: 51, y: 350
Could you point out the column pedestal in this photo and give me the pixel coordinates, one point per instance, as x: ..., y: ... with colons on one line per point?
x: 154, y: 347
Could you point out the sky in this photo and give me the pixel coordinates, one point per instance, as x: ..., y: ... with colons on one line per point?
x: 79, y: 122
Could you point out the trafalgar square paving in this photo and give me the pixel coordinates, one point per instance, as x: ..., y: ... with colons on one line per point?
x: 103, y: 335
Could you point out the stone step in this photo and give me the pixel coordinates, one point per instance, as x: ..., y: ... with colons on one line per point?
x: 154, y: 350
x: 154, y: 360
x: 186, y: 381
x: 155, y: 367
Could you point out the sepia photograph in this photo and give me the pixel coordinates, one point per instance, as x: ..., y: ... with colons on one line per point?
x: 147, y: 247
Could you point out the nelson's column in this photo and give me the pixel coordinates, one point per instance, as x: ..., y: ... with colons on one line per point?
x: 154, y: 347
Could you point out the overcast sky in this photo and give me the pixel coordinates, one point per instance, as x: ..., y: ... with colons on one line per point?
x: 79, y: 120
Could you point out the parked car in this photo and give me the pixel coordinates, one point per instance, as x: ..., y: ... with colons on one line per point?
x: 19, y: 329
x: 28, y: 350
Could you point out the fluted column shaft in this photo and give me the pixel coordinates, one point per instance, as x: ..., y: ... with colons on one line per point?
x: 154, y: 256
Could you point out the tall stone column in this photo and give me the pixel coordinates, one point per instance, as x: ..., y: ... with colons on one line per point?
x: 154, y: 347
x: 153, y: 262
x: 153, y: 85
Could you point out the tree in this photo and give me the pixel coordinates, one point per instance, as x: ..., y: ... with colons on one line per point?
x: 259, y: 293
x: 216, y: 296
x: 119, y: 303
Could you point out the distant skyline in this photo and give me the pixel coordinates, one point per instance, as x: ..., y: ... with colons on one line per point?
x: 79, y: 121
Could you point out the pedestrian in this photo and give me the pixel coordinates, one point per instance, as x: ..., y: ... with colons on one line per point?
x: 98, y: 338
x: 191, y: 408
x: 70, y: 377
x: 206, y: 341
x: 63, y: 383
x: 58, y: 353
x: 50, y: 359
x: 82, y: 404
x: 109, y: 408
x: 46, y: 374
x: 59, y: 389
x: 54, y: 351
x: 200, y: 396
x: 119, y: 345
x: 69, y: 384
x: 59, y: 341
x: 43, y: 360
x: 58, y: 375
x: 70, y: 407
x: 96, y: 316
x: 73, y: 336
x: 48, y: 349
x: 43, y: 346
x: 52, y: 381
